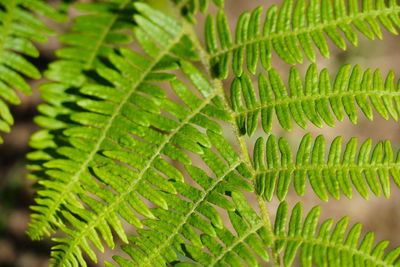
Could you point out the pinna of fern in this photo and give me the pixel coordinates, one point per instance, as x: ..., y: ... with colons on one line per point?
x: 92, y: 39
x: 20, y: 26
x: 147, y: 157
x: 74, y: 71
x: 329, y: 245
x: 294, y: 29
x: 316, y: 100
x: 102, y: 135
x: 366, y: 167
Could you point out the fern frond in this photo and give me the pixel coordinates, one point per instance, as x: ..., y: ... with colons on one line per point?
x: 293, y: 28
x: 330, y: 244
x: 145, y: 140
x: 19, y: 27
x: 317, y: 100
x: 93, y: 37
x: 366, y: 167
x: 126, y: 122
x: 134, y: 151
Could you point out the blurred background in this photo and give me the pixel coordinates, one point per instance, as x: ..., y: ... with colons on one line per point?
x: 377, y: 214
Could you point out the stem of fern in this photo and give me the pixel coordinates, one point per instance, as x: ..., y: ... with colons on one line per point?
x: 245, y: 155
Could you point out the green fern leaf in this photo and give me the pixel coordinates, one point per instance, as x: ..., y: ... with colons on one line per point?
x: 102, y: 138
x: 134, y: 152
x: 19, y: 27
x: 330, y: 244
x: 317, y: 100
x: 91, y: 41
x: 366, y: 167
x: 292, y: 28
x: 148, y: 168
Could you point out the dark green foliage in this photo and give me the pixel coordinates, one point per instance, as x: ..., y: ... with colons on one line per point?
x: 20, y: 26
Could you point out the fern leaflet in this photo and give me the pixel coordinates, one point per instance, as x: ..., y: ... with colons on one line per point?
x: 293, y: 28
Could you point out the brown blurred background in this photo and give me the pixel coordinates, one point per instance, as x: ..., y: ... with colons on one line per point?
x: 377, y: 214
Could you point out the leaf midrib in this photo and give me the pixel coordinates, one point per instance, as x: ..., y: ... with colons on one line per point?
x: 329, y: 167
x: 298, y: 99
